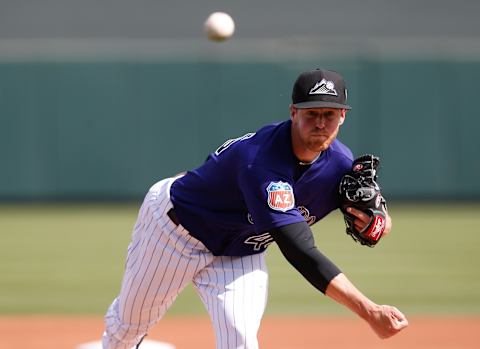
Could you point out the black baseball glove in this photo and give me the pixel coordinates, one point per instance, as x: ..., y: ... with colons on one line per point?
x: 359, y: 189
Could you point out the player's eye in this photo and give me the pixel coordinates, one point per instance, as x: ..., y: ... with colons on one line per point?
x: 330, y: 115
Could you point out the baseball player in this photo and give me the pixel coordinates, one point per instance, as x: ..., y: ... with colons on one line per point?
x: 212, y: 225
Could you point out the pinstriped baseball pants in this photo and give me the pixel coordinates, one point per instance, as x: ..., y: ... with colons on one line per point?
x: 162, y: 259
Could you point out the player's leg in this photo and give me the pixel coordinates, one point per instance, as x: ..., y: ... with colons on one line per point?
x: 234, y: 291
x: 162, y: 259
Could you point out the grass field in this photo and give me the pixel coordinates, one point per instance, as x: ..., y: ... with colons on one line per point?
x: 68, y: 259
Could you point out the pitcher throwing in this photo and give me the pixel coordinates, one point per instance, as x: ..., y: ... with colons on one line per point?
x: 212, y: 225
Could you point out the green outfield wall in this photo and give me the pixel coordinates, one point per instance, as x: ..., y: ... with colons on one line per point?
x: 108, y: 130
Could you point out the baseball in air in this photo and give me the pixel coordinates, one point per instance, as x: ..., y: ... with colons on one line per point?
x: 219, y: 26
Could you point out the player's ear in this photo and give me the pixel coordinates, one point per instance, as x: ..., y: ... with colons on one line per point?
x: 293, y: 110
x: 342, y: 116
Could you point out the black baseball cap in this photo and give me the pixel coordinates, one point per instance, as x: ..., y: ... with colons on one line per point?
x: 320, y: 88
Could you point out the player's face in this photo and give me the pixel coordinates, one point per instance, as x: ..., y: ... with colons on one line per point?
x: 314, y: 129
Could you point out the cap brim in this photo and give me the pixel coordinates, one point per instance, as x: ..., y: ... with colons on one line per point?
x: 321, y: 104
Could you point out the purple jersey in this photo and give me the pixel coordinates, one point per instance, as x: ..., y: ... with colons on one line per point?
x: 254, y: 183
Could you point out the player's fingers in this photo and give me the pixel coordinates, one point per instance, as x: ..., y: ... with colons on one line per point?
x: 398, y: 325
x: 359, y: 225
x: 402, y: 324
x: 399, y: 320
x: 359, y: 214
x: 388, y: 225
x: 397, y: 314
x: 362, y: 219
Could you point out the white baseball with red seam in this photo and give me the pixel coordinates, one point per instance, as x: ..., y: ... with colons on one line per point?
x: 219, y: 26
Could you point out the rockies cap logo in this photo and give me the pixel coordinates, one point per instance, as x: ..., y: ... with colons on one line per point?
x: 324, y: 87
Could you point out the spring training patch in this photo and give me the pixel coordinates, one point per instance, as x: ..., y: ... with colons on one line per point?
x: 280, y: 196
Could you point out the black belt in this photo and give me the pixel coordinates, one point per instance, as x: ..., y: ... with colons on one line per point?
x: 173, y: 216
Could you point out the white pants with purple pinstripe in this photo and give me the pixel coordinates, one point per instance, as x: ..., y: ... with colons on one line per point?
x: 162, y: 259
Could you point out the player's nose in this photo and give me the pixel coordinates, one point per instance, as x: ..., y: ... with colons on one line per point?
x: 320, y: 121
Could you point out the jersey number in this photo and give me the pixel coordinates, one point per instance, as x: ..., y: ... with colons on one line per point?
x: 259, y: 242
x: 228, y: 143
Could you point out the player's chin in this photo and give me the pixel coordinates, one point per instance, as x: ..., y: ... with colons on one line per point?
x: 320, y: 143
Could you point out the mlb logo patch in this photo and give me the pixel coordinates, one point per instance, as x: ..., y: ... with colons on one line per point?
x: 280, y: 196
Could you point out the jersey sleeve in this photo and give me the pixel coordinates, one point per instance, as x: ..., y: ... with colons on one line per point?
x: 269, y: 197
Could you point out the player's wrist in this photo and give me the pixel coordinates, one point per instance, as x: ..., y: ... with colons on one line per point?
x: 369, y: 310
x: 344, y: 292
